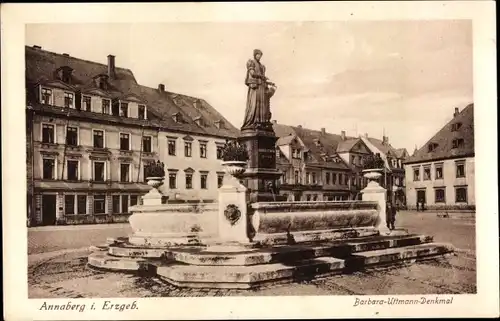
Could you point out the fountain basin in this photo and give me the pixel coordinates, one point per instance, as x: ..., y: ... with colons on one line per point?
x: 289, y: 217
x: 173, y: 224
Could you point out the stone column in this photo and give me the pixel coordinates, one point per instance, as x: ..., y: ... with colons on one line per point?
x: 376, y: 193
x: 232, y: 217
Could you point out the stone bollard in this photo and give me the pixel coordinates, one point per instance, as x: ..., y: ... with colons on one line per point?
x: 376, y: 193
x: 232, y: 212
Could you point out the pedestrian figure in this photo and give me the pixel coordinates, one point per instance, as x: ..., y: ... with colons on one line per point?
x: 390, y: 215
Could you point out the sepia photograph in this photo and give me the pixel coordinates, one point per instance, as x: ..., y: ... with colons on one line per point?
x: 306, y: 158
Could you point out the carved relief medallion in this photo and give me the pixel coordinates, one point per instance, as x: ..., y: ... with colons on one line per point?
x: 232, y: 213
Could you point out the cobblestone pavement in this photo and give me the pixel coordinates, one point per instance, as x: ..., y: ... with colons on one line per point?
x: 64, y: 275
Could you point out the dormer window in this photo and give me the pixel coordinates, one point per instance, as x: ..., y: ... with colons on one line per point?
x: 86, y: 103
x: 219, y: 124
x: 455, y: 126
x: 102, y: 81
x: 123, y: 109
x: 458, y: 143
x: 432, y: 147
x: 64, y: 74
x: 142, y: 112
x: 69, y: 100
x: 46, y: 96
x: 177, y: 117
x: 199, y: 121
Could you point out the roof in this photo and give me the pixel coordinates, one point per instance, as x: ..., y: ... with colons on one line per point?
x: 443, y: 139
x: 319, y: 144
x: 42, y: 65
x: 347, y: 145
x: 401, y: 152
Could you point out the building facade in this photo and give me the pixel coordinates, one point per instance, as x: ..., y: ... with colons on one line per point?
x: 321, y: 166
x: 441, y: 173
x: 91, y: 129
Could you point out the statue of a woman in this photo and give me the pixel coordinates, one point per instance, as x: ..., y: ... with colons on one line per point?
x: 260, y: 90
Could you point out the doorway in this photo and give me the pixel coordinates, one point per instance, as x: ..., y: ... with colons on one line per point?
x: 421, y: 197
x: 48, y: 209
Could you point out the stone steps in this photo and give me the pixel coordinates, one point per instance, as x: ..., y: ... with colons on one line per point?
x: 250, y: 276
x: 253, y: 267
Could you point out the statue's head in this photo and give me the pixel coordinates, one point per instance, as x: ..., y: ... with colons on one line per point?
x: 257, y: 53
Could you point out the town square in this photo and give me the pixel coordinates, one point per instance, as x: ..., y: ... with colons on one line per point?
x: 143, y: 191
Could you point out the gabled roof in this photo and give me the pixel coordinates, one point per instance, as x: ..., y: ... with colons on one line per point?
x: 318, y: 144
x: 41, y: 66
x: 347, y: 145
x: 401, y: 153
x: 443, y: 139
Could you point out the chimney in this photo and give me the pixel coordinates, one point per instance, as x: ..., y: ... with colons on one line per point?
x: 37, y: 47
x: 385, y: 140
x: 111, y: 66
x: 161, y: 88
x: 274, y: 121
x: 455, y: 114
x: 366, y: 135
x: 342, y: 134
x: 323, y: 131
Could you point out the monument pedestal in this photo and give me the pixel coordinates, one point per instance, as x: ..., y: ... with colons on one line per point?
x: 376, y: 193
x: 261, y: 177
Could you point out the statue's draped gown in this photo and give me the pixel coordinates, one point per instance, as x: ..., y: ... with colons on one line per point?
x: 257, y: 110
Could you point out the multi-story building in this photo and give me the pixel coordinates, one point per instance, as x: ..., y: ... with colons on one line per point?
x: 441, y: 173
x: 394, y: 174
x: 91, y: 128
x: 322, y: 166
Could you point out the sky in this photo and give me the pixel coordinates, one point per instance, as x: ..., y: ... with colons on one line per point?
x: 403, y: 78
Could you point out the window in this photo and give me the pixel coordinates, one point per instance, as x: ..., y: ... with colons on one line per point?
x: 314, y: 178
x: 116, y: 204
x: 124, y: 109
x: 455, y: 127
x: 296, y: 177
x: 172, y: 180
x: 439, y: 171
x: 98, y: 139
x: 327, y: 178
x: 142, y: 112
x: 81, y: 206
x: 46, y: 96
x: 203, y: 150
x: 72, y: 174
x: 133, y: 200
x: 353, y: 159
x: 341, y: 178
x: 460, y: 169
x: 86, y: 102
x: 220, y: 180
x: 432, y: 147
x: 277, y: 154
x: 427, y: 173
x: 203, y: 181
x: 124, y: 141
x: 144, y: 176
x: 171, y: 147
x: 49, y: 168
x: 187, y: 149
x: 334, y: 178
x: 416, y: 174
x: 457, y: 143
x: 189, y: 180
x: 124, y: 203
x: 461, y: 195
x: 48, y: 134
x: 439, y: 195
x: 220, y: 149
x: 99, y: 204
x: 146, y: 144
x: 106, y: 106
x: 72, y: 136
x: 69, y: 100
x: 99, y: 171
x: 124, y: 172
x: 69, y: 204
